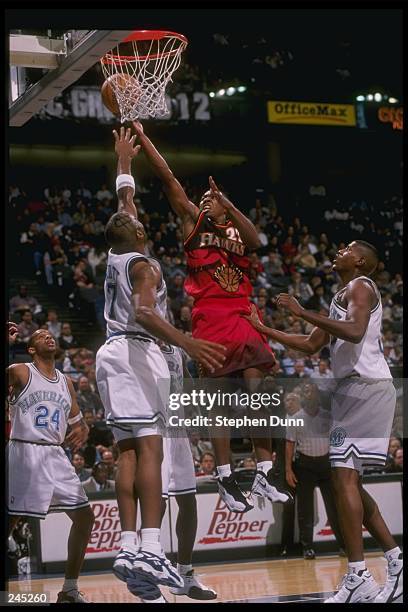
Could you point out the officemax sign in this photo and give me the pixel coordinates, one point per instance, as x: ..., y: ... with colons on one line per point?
x: 311, y: 113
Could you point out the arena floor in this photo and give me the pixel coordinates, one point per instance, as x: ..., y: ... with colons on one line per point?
x: 284, y: 581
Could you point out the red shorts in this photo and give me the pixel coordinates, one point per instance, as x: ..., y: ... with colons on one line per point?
x: 220, y: 321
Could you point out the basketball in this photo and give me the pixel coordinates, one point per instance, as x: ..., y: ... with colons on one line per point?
x: 119, y: 81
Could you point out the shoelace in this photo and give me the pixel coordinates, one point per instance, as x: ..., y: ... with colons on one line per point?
x: 342, y: 583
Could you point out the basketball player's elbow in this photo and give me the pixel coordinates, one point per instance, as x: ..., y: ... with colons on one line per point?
x: 143, y: 314
x: 355, y: 336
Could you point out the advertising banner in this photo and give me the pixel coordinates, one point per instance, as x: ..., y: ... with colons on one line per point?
x: 105, y: 536
x: 380, y: 116
x: 311, y: 113
x: 218, y: 528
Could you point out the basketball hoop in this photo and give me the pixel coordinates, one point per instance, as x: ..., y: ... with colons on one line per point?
x: 141, y: 67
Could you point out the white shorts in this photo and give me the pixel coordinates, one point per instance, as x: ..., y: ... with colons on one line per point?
x: 362, y: 417
x: 134, y: 382
x: 178, y: 474
x: 40, y: 480
x: 174, y: 360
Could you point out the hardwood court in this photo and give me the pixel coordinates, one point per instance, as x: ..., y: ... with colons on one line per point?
x: 279, y: 580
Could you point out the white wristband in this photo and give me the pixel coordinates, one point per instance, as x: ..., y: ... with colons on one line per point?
x: 75, y: 419
x: 125, y: 180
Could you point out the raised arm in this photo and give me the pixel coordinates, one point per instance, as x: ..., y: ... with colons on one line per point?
x: 18, y: 375
x: 309, y: 344
x: 245, y: 227
x: 126, y: 151
x: 360, y: 298
x: 172, y: 188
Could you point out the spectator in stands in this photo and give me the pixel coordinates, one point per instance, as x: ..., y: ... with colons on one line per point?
x: 103, y: 193
x: 397, y: 461
x: 323, y: 370
x: 288, y: 248
x: 109, y: 460
x: 300, y: 370
x: 87, y: 399
x: 67, y: 340
x: 207, y: 465
x: 27, y: 326
x: 198, y: 446
x: 176, y: 290
x: 318, y: 300
x: 185, y: 319
x: 23, y: 301
x: 99, y: 434
x: 249, y: 463
x: 99, y: 480
x: 52, y: 323
x: 393, y: 445
x: 77, y: 368
x: 301, y: 290
x: 305, y: 260
x: 273, y: 266
x: 78, y: 461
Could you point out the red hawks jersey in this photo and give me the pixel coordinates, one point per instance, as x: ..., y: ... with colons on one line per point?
x: 217, y: 261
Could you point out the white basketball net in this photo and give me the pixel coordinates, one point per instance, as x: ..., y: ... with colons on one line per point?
x: 150, y: 63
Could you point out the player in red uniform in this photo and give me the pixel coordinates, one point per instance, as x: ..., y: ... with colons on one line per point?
x: 218, y: 238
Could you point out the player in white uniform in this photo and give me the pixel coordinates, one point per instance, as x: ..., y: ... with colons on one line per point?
x: 40, y: 477
x: 363, y: 406
x: 133, y: 377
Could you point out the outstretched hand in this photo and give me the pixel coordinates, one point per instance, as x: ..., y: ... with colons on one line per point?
x: 138, y: 128
x: 125, y: 143
x: 253, y: 318
x: 12, y: 332
x: 289, y: 303
x: 218, y: 195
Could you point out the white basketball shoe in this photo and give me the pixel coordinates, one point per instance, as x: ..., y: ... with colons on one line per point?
x: 357, y: 587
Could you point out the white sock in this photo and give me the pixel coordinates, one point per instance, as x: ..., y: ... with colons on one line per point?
x: 224, y: 471
x: 70, y: 584
x: 355, y: 566
x: 393, y: 553
x: 128, y: 538
x: 264, y: 466
x: 184, y: 569
x: 151, y: 540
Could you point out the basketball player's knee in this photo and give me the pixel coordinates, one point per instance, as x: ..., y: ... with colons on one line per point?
x: 343, y: 479
x: 88, y: 518
x: 83, y: 520
x: 150, y: 448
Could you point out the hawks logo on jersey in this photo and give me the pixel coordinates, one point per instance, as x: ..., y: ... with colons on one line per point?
x: 228, y: 277
x: 217, y: 261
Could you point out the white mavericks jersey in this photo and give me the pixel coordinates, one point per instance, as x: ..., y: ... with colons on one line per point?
x: 41, y: 411
x: 119, y: 311
x: 366, y: 358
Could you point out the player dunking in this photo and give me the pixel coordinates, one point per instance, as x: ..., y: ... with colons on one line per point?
x: 133, y: 378
x: 217, y: 239
x: 40, y: 477
x: 363, y: 406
